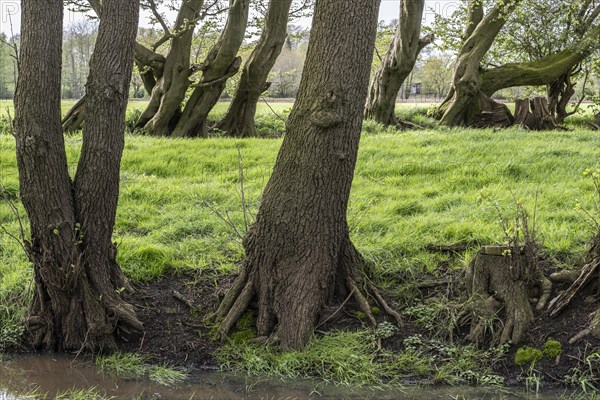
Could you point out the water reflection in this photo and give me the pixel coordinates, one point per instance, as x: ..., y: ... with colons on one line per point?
x: 56, y: 374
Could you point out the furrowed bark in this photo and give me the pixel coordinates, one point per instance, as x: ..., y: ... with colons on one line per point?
x: 397, y: 64
x: 239, y: 120
x: 298, y: 253
x: 76, y: 303
x: 222, y: 63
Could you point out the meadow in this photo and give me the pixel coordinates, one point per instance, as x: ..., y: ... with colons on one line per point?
x: 180, y: 207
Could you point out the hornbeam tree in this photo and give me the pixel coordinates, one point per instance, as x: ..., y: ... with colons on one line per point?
x: 543, y: 44
x: 299, y: 257
x: 466, y: 100
x: 239, y: 120
x: 221, y: 63
x: 78, y: 284
x: 397, y: 64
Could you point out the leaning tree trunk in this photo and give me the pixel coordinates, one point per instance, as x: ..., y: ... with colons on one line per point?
x: 466, y: 89
x: 151, y: 67
x: 163, y: 111
x: 239, y: 120
x: 397, y: 64
x: 298, y: 253
x: 221, y: 63
x: 77, y: 302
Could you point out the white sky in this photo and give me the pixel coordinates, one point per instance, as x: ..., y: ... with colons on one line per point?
x: 10, y: 10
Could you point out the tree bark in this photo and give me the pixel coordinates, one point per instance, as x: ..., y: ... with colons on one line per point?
x: 163, y: 111
x: 239, y: 120
x: 298, y: 253
x: 466, y: 89
x: 77, y: 301
x: 397, y: 64
x: 221, y: 63
x: 500, y: 283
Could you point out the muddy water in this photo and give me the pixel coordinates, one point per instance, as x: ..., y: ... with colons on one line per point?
x: 55, y: 374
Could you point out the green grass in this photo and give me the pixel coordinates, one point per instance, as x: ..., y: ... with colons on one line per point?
x: 411, y: 189
x: 135, y: 366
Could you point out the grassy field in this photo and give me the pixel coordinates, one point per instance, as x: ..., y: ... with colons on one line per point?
x: 411, y: 190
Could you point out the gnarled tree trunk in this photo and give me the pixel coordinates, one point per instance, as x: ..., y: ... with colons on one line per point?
x: 397, y: 64
x: 77, y: 302
x: 239, y: 120
x: 162, y: 113
x: 221, y: 64
x: 466, y: 91
x: 298, y: 253
x: 500, y: 279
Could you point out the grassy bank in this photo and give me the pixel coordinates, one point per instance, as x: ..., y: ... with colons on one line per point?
x: 412, y: 190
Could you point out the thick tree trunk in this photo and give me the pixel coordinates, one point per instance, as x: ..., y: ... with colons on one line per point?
x: 397, y: 64
x: 466, y: 88
x: 239, y: 120
x: 221, y: 64
x: 77, y: 281
x: 169, y: 91
x: 298, y: 253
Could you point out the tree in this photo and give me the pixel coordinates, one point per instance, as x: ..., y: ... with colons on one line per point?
x: 221, y: 63
x: 78, y: 283
x: 542, y: 43
x: 466, y: 100
x: 397, y: 64
x: 169, y: 90
x: 437, y: 73
x: 239, y: 120
x: 298, y: 253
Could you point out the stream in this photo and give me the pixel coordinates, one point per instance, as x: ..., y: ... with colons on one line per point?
x: 44, y: 374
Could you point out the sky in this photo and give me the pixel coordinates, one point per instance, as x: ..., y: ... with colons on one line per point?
x: 10, y: 11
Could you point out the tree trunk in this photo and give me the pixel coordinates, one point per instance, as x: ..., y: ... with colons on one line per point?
x: 239, y: 120
x: 298, y: 253
x: 221, y: 63
x: 397, y: 64
x: 151, y: 66
x: 168, y: 93
x: 560, y: 93
x: 539, y: 118
x: 501, y: 280
x: 466, y: 89
x: 73, y: 120
x: 77, y: 280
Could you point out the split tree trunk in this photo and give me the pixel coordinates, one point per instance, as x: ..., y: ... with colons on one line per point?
x: 466, y: 91
x: 239, y: 120
x: 298, y: 253
x: 77, y: 302
x: 535, y: 114
x: 397, y: 64
x: 163, y: 111
x: 221, y: 64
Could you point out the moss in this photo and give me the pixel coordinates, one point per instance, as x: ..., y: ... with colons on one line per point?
x: 376, y: 310
x: 526, y: 355
x: 552, y: 349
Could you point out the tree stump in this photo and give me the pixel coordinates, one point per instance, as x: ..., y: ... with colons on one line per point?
x: 535, y: 114
x: 501, y: 280
x: 491, y: 114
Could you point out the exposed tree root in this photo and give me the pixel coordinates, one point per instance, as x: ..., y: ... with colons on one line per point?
x: 500, y: 283
x: 247, y: 288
